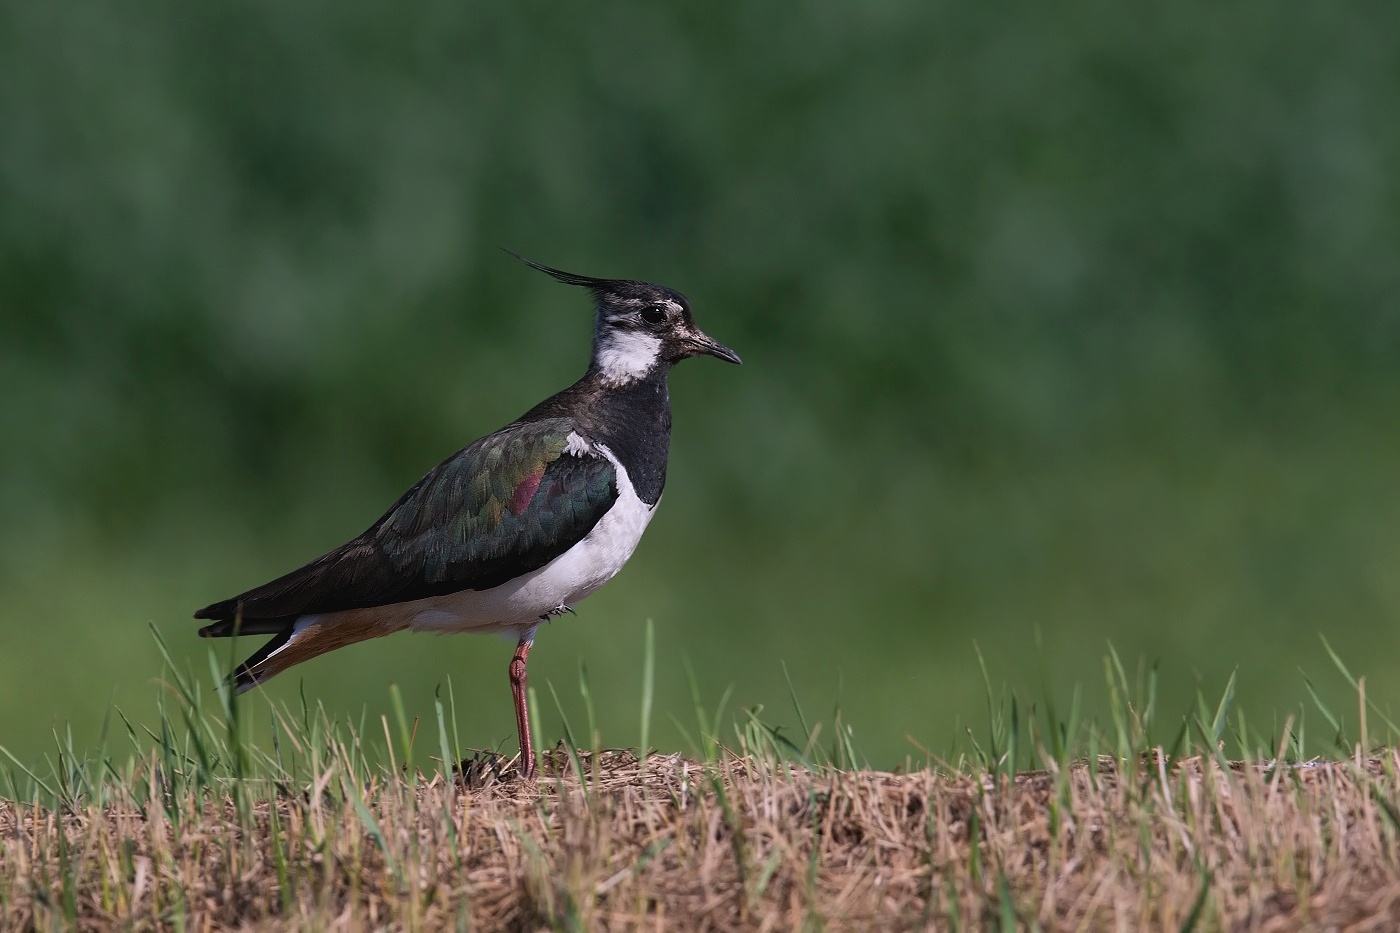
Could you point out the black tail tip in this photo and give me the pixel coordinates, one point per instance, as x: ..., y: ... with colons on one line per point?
x: 241, y: 680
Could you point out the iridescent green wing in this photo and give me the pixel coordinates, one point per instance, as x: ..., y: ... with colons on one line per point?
x: 508, y: 504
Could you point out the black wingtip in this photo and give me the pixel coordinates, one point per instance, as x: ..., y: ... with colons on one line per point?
x: 568, y: 278
x: 223, y: 609
x: 233, y: 627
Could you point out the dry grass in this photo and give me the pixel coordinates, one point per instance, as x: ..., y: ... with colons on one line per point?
x: 321, y: 828
x: 733, y: 844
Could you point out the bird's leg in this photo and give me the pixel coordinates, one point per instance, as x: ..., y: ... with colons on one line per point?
x: 522, y: 712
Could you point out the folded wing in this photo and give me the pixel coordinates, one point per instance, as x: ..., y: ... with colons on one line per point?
x: 508, y: 504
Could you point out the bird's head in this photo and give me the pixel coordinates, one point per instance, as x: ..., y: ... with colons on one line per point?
x: 639, y: 326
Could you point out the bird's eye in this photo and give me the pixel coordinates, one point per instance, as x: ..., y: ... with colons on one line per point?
x: 653, y: 314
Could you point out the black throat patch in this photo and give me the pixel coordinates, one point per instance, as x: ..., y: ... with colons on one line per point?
x: 634, y: 422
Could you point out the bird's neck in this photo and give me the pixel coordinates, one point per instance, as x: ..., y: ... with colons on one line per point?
x: 622, y: 356
x: 634, y: 421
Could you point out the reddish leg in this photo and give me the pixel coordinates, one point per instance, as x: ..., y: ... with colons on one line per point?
x: 522, y: 712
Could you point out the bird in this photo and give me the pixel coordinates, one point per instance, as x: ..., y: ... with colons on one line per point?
x: 510, y: 531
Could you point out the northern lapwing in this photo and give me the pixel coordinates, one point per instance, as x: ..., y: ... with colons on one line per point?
x: 511, y: 530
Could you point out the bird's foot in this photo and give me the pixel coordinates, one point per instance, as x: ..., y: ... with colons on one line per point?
x: 556, y: 612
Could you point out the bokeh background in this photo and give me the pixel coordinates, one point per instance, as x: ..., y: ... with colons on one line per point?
x: 1063, y: 325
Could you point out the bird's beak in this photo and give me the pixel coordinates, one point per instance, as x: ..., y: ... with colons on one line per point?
x: 702, y: 343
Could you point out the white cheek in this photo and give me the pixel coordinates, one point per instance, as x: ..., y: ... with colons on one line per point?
x: 625, y: 355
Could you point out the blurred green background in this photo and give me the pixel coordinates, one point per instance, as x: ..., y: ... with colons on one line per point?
x: 1069, y: 322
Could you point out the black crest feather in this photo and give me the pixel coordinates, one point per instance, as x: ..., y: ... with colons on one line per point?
x: 568, y: 278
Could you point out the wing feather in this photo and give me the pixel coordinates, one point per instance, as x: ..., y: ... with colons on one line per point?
x: 507, y: 504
